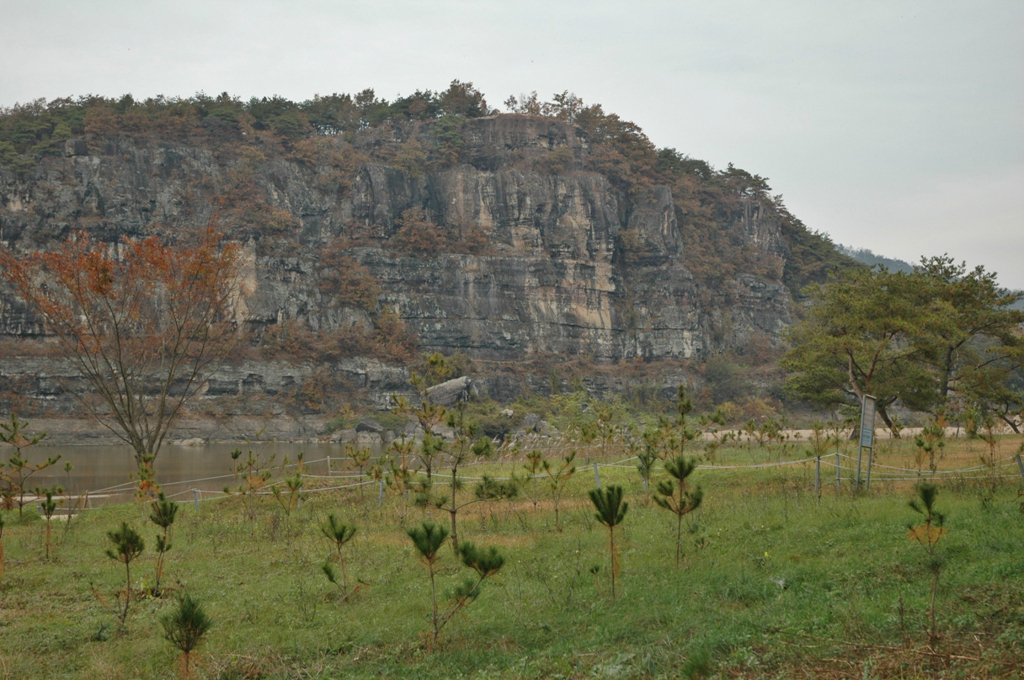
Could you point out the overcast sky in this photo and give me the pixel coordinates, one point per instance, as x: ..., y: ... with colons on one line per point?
x: 895, y: 126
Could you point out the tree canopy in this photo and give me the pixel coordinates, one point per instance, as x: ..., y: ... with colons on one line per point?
x: 940, y: 337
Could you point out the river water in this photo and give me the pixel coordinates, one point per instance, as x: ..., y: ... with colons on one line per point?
x: 106, y: 472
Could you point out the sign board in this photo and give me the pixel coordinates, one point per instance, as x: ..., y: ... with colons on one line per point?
x: 867, y: 422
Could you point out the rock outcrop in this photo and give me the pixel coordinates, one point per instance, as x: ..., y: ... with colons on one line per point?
x: 565, y: 262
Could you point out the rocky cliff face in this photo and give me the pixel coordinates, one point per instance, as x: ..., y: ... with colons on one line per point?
x: 541, y: 255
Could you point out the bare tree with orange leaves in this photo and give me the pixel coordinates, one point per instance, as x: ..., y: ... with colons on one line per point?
x: 143, y: 321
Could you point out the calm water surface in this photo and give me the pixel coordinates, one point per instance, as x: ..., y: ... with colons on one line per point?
x: 178, y: 468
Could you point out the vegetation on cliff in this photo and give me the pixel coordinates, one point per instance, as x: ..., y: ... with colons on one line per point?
x: 338, y: 133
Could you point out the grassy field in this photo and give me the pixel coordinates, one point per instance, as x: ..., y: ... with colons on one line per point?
x: 775, y: 583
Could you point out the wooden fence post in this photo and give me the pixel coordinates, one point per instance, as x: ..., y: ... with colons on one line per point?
x: 817, y: 476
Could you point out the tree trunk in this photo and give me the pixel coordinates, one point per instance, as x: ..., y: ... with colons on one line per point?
x: 344, y: 576
x: 884, y: 416
x: 611, y: 538
x: 433, y: 599
x: 453, y: 511
x: 1010, y: 421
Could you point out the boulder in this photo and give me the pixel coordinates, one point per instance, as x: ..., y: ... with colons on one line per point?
x: 369, y: 425
x: 451, y: 392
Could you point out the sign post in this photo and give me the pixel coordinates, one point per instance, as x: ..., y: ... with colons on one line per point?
x: 867, y: 436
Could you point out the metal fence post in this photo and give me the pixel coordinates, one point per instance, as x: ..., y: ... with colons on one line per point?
x: 597, y: 476
x: 838, y: 477
x: 195, y: 497
x: 328, y: 466
x: 1020, y: 465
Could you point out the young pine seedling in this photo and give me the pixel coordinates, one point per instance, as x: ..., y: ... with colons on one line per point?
x: 428, y: 539
x: 185, y: 628
x: 533, y: 466
x: 676, y: 498
x: 360, y: 457
x: 610, y: 512
x: 338, y: 533
x: 467, y: 446
x: 49, y: 506
x: 645, y: 465
x: 558, y: 478
x: 13, y: 433
x: 127, y: 546
x: 290, y: 497
x: 927, y: 534
x: 163, y: 514
x: 486, y: 563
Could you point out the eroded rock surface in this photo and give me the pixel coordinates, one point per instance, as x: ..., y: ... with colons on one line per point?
x: 570, y: 264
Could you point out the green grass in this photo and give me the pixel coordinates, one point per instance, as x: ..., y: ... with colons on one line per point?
x: 773, y: 583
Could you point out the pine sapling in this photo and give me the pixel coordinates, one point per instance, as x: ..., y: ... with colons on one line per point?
x: 49, y: 506
x: 462, y: 450
x: 675, y: 497
x: 428, y: 539
x: 254, y: 474
x: 557, y: 479
x: 611, y: 510
x: 339, y: 533
x: 645, y: 465
x: 485, y: 563
x: 127, y: 546
x: 185, y: 628
x: 360, y: 457
x: 13, y: 433
x: 290, y: 497
x: 533, y: 466
x: 927, y: 534
x: 163, y: 514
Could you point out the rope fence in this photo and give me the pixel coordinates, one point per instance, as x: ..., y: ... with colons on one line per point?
x: 881, y: 472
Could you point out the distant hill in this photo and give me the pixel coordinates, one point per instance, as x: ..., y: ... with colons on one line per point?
x: 869, y: 258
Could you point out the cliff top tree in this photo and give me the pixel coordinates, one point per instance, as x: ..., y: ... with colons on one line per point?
x: 142, y: 321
